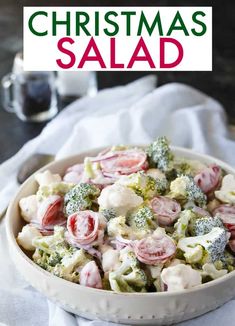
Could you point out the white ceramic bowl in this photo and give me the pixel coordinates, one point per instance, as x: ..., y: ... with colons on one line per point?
x: 129, y: 308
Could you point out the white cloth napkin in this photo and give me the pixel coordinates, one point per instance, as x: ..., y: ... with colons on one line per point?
x: 133, y: 114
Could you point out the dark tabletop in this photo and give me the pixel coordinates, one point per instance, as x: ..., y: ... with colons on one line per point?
x: 220, y: 83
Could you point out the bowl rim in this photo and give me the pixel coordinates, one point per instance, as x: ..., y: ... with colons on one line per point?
x: 12, y: 240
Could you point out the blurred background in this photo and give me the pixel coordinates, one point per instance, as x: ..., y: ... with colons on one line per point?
x: 220, y: 83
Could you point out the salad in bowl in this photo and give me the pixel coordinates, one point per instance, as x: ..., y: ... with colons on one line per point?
x: 133, y: 219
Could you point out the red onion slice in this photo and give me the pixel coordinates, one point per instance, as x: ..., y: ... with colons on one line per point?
x: 166, y: 209
x: 154, y: 249
x: 208, y: 179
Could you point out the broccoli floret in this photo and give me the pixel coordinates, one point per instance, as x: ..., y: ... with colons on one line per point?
x: 70, y: 265
x: 41, y: 258
x: 108, y: 213
x: 159, y: 154
x: 50, y: 249
x: 142, y: 219
x: 162, y: 185
x: 80, y: 197
x: 52, y: 243
x: 181, y: 226
x: 185, y: 189
x: 129, y: 277
x: 184, y: 168
x: 54, y: 259
x: 227, y: 261
x: 55, y: 255
x: 56, y: 188
x: 143, y: 185
x: 204, y: 248
x: 204, y: 225
x: 190, y: 167
x: 194, y: 193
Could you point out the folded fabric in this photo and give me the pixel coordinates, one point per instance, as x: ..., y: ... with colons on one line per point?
x: 133, y: 114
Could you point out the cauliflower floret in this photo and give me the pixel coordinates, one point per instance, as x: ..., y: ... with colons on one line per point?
x: 180, y: 277
x: 80, y: 197
x: 26, y: 237
x: 55, y: 188
x: 29, y: 208
x: 117, y: 227
x: 110, y: 260
x: 226, y: 194
x: 120, y: 198
x: 210, y: 270
x: 184, y: 187
x: 178, y: 187
x: 45, y: 178
x: 156, y: 174
x: 213, y: 243
x: 159, y: 154
x: 129, y: 277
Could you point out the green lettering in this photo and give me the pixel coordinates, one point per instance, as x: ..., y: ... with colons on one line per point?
x: 81, y: 24
x: 32, y: 30
x: 97, y: 23
x: 128, y: 15
x: 174, y: 26
x: 143, y: 22
x: 111, y: 22
x: 56, y: 22
x: 198, y: 22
